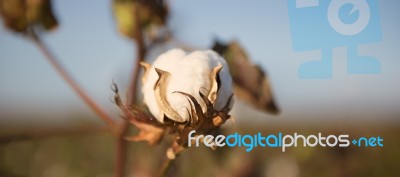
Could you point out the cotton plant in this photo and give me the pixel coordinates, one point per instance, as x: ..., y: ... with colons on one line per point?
x: 183, y: 92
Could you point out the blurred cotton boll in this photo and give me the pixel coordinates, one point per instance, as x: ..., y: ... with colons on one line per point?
x: 177, y: 71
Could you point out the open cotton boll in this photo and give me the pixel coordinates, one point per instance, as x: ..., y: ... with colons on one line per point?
x: 189, y: 73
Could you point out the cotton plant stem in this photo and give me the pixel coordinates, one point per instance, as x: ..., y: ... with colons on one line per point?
x: 103, y: 115
x: 123, y: 127
x: 121, y: 149
x: 166, y: 166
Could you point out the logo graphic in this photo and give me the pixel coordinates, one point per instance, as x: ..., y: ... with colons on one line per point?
x: 280, y: 140
x: 325, y: 24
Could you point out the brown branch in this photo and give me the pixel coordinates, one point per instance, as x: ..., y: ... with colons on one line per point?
x: 123, y: 127
x: 166, y: 166
x: 65, y: 75
x: 121, y: 149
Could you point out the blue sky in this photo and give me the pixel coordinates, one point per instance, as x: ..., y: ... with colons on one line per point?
x: 90, y: 47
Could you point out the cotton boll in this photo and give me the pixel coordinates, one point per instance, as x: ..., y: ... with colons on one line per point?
x: 188, y: 73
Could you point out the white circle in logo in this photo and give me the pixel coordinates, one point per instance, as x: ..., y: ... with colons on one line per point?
x: 348, y: 29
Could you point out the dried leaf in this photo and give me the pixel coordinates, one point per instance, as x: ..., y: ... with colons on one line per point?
x: 150, y: 129
x: 148, y: 132
x: 250, y: 81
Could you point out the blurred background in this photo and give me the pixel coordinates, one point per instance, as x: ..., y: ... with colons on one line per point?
x: 33, y: 98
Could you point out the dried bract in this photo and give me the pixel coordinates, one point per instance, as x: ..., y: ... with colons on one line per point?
x: 184, y: 92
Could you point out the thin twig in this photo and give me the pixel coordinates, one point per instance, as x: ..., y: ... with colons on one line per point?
x: 65, y: 75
